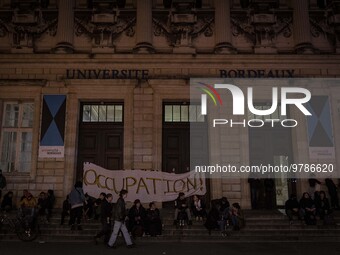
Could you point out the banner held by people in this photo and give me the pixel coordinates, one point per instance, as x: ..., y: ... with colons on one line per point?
x: 147, y: 186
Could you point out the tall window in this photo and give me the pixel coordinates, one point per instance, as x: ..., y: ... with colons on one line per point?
x: 16, y: 137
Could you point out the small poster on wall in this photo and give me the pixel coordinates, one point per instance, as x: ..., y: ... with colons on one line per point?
x: 52, y: 126
x: 320, y: 132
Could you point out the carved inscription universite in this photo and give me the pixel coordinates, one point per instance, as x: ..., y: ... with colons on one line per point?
x: 145, y: 73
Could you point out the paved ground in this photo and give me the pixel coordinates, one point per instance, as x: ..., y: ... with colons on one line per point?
x: 35, y: 248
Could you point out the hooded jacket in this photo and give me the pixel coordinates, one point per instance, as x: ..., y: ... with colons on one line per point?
x: 77, y: 197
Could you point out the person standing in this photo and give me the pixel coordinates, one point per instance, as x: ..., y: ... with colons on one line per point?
x: 333, y: 193
x: 105, y: 218
x: 312, y: 186
x: 254, y: 184
x: 50, y: 203
x: 77, y: 200
x: 269, y: 191
x: 3, y: 182
x: 66, y: 210
x: 119, y: 222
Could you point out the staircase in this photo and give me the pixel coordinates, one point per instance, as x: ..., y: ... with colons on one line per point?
x: 261, y: 226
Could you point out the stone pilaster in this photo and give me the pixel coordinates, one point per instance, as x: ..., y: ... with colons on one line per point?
x: 65, y: 31
x: 143, y: 114
x: 301, y: 26
x: 144, y: 27
x: 223, y: 27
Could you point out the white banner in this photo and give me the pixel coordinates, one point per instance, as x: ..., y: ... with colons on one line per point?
x: 147, y: 186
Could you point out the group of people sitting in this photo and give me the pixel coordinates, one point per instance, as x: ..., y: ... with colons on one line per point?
x: 29, y: 205
x: 309, y: 208
x: 137, y: 220
x: 220, y: 216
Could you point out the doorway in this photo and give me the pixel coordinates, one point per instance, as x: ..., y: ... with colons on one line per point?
x: 271, y: 145
x: 101, y: 132
x: 180, y: 122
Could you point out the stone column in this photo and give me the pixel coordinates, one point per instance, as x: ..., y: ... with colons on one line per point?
x: 223, y: 27
x: 301, y: 27
x: 144, y: 27
x: 65, y: 30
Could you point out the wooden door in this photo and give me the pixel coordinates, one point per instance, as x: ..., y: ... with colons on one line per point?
x: 101, y: 142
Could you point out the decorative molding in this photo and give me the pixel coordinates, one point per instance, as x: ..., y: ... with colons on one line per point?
x: 320, y: 26
x: 262, y: 30
x: 182, y: 34
x: 22, y: 32
x: 104, y: 34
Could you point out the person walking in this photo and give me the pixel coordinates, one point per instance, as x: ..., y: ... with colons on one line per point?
x: 119, y: 222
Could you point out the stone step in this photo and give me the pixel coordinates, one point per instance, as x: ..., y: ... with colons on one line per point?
x: 297, y: 225
x: 268, y: 226
x: 182, y: 238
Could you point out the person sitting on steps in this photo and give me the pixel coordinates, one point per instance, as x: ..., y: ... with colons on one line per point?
x: 292, y: 208
x: 181, y: 204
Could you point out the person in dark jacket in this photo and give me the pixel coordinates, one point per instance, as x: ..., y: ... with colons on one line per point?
x: 255, y: 185
x: 50, y: 203
x: 105, y: 218
x: 88, y: 208
x: 181, y: 204
x: 307, y: 209
x: 65, y: 210
x: 77, y: 200
x: 312, y: 186
x: 3, y: 182
x: 322, y: 205
x: 269, y: 191
x: 237, y: 217
x: 333, y: 193
x: 137, y: 216
x: 119, y: 221
x: 153, y: 221
x: 7, y: 202
x: 42, y: 203
x: 213, y: 216
x: 97, y: 205
x: 224, y: 214
x: 292, y: 208
x: 198, y: 208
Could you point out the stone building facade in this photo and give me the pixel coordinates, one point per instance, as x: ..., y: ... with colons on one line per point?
x: 140, y: 54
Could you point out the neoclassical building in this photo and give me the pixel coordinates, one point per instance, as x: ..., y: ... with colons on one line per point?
x: 119, y: 72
